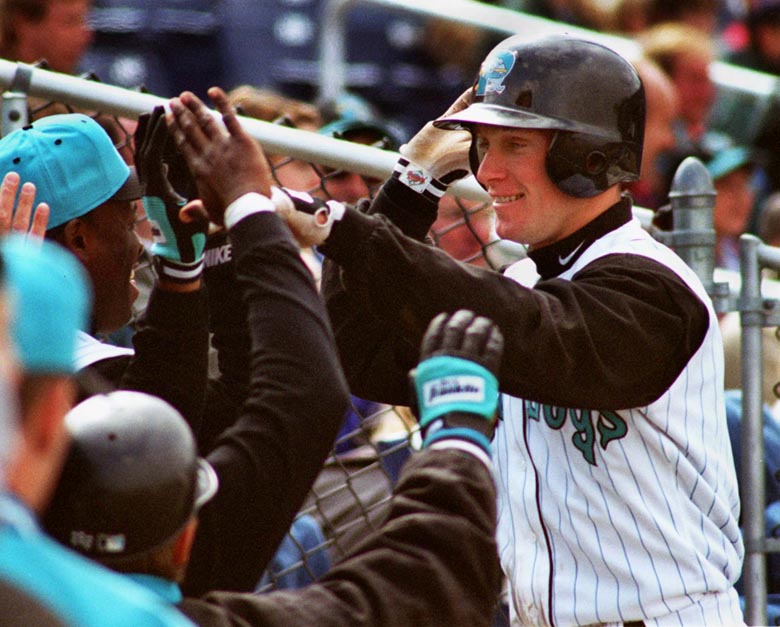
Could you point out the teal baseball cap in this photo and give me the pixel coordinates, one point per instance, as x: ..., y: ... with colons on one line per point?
x: 72, y: 162
x: 728, y: 160
x: 347, y: 127
x: 50, y: 299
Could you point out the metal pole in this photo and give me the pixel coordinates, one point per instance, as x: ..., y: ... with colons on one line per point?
x: 752, y: 434
x: 692, y: 197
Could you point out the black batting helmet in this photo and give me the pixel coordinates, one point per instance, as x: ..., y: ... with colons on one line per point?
x: 590, y: 95
x: 132, y: 478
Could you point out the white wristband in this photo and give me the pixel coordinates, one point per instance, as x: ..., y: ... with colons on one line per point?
x: 418, y: 179
x: 246, y: 205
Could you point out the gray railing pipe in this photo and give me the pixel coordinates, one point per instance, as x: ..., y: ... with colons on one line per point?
x: 752, y: 435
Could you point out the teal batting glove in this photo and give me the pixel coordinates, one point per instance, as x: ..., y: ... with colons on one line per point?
x: 455, y: 385
x: 178, y: 245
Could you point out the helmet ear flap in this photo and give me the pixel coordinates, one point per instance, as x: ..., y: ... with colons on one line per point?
x: 583, y: 166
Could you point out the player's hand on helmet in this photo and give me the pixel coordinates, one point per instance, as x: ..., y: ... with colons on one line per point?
x: 225, y: 160
x: 179, y: 236
x: 455, y: 383
x: 442, y: 154
x: 309, y: 219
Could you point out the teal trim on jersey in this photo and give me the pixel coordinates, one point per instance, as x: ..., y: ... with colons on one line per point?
x: 79, y: 591
x: 447, y: 384
x: 459, y: 433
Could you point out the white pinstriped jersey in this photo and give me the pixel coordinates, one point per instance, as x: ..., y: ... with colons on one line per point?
x: 608, y: 516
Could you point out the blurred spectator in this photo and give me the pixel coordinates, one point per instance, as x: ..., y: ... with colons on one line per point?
x: 346, y: 186
x: 652, y: 188
x: 732, y: 169
x: 769, y: 220
x: 270, y: 105
x: 56, y: 31
x: 685, y: 53
x: 163, y: 45
x: 462, y: 228
x: 583, y: 13
x: 628, y: 17
x: 387, y: 61
x: 762, y: 52
x: 701, y: 14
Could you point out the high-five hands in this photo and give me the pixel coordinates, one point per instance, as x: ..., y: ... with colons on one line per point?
x: 225, y: 161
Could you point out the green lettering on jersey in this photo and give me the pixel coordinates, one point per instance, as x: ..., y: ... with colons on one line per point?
x: 611, y: 427
x: 555, y: 417
x: 584, y: 436
x: 532, y: 410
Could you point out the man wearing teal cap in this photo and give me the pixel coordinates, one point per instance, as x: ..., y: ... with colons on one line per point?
x: 45, y: 315
x: 92, y: 196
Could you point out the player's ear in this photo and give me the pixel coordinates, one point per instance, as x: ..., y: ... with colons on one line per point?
x: 76, y: 238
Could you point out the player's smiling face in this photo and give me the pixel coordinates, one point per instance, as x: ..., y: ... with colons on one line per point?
x: 529, y: 208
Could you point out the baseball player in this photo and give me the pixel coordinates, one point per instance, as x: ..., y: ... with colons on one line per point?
x: 618, y: 499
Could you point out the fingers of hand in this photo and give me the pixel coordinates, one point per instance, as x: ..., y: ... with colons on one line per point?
x: 228, y: 111
x: 204, y: 116
x: 8, y: 189
x: 40, y: 221
x: 21, y: 219
x: 455, y: 330
x: 194, y: 212
x: 433, y: 336
x: 185, y: 130
x: 484, y: 341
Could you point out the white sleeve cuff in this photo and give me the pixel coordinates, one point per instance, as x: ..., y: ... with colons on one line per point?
x: 246, y: 205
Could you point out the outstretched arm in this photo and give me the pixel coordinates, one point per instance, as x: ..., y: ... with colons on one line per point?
x: 433, y: 561
x: 268, y: 460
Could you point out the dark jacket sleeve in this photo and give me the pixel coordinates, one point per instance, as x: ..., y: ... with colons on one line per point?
x: 171, y: 353
x: 269, y: 458
x: 433, y: 562
x: 614, y: 337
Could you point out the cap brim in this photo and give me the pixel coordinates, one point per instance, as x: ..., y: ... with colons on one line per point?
x: 207, y: 483
x: 131, y: 189
x: 729, y: 160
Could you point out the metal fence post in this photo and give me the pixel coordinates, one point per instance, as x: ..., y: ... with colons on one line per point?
x: 13, y: 112
x: 752, y: 472
x: 692, y: 197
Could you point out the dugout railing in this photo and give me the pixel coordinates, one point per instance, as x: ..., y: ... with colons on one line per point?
x: 353, y: 491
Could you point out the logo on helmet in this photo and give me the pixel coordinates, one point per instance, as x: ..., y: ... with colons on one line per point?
x: 494, y: 72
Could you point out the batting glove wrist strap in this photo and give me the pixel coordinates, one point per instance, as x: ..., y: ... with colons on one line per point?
x: 418, y: 179
x: 178, y: 272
